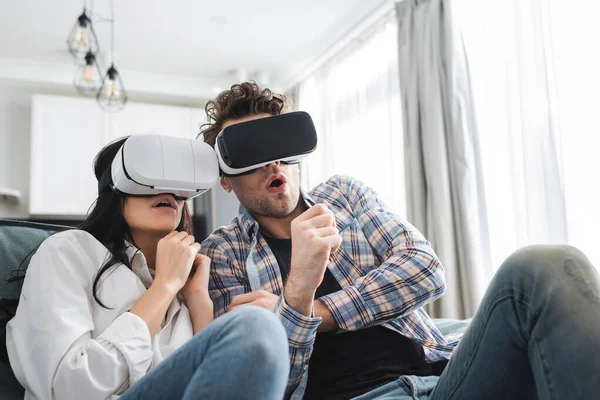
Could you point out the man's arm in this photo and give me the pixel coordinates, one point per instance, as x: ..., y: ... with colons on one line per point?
x: 329, y: 323
x: 409, y: 277
x: 225, y: 281
x: 228, y: 281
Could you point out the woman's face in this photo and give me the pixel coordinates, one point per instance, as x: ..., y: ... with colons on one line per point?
x: 156, y: 214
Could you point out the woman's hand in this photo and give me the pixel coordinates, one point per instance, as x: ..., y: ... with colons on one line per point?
x: 175, y: 256
x: 196, y: 296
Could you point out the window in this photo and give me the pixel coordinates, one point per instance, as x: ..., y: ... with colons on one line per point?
x: 535, y: 81
x: 355, y: 102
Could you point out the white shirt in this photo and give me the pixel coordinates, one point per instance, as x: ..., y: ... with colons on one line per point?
x: 63, y: 345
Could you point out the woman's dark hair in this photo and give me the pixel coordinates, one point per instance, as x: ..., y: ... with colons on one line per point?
x: 106, y: 222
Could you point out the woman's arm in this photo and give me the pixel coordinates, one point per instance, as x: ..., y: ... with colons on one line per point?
x: 153, y: 305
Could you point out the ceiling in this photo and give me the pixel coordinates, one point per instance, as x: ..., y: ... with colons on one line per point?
x: 190, y: 43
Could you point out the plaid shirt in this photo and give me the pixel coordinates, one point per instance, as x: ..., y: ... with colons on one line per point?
x: 387, y: 270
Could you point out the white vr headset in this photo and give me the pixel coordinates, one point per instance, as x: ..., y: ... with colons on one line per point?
x: 148, y: 165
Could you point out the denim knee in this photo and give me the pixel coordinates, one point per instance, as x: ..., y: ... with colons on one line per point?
x: 543, y: 263
x: 262, y: 331
x: 258, y: 319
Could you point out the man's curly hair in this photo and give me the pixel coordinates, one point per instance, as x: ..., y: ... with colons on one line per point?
x: 240, y: 101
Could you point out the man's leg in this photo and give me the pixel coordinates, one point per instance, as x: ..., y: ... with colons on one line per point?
x: 241, y: 355
x: 535, y: 334
x: 403, y: 388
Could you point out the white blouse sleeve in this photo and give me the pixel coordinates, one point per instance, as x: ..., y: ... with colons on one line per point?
x: 49, y: 340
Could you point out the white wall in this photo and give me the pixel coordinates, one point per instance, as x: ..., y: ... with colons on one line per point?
x: 15, y: 129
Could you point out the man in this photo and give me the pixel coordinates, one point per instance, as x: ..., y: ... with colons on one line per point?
x: 338, y: 266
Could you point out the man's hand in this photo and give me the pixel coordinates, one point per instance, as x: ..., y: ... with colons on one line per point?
x: 314, y: 237
x: 197, y: 282
x: 195, y: 292
x: 260, y: 298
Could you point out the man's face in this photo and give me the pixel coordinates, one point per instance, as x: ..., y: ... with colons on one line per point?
x: 271, y: 191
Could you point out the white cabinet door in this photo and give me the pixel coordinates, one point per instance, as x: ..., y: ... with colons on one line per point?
x: 66, y: 134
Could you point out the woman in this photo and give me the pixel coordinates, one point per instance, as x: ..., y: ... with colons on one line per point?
x: 102, y: 307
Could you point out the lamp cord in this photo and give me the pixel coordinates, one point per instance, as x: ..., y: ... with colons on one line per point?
x: 112, y: 30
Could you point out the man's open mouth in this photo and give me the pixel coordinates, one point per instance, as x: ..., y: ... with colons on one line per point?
x: 276, y: 181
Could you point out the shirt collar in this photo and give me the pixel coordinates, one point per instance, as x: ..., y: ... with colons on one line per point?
x: 139, y: 265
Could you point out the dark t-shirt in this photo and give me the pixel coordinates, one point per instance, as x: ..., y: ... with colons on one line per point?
x: 349, y: 364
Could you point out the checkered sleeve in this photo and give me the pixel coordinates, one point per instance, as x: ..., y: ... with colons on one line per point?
x: 226, y: 280
x: 301, y: 331
x: 409, y: 277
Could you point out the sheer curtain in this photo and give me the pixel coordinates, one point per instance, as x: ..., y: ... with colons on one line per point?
x: 575, y: 31
x: 509, y: 48
x: 354, y: 100
x: 446, y: 198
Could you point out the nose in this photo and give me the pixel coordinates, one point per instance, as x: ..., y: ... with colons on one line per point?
x: 275, y: 163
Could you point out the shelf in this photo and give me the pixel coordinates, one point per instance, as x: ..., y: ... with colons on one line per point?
x: 10, y: 194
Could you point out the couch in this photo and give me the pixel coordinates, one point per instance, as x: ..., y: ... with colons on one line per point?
x: 18, y: 242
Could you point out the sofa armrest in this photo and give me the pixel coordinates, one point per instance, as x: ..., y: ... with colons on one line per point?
x: 10, y: 389
x: 448, y: 326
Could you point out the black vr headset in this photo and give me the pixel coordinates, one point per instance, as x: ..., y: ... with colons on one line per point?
x: 242, y: 148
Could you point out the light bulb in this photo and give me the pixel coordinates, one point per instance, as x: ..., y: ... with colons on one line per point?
x: 112, y: 96
x: 88, y: 73
x: 111, y: 90
x: 88, y: 79
x: 81, y: 36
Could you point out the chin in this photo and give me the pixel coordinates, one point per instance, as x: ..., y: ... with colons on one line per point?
x: 163, y: 227
x: 282, y: 212
x: 285, y: 206
x: 162, y: 230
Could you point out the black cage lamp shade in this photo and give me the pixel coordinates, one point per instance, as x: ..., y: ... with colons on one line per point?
x: 88, y: 77
x: 112, y: 95
x: 82, y: 38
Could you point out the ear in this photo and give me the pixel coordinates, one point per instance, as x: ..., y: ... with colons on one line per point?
x: 225, y: 184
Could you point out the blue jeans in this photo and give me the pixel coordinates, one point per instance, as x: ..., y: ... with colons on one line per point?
x: 536, y: 335
x: 241, y: 355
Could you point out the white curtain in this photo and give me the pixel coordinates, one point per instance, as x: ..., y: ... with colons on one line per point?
x: 354, y: 100
x: 574, y: 31
x: 509, y: 48
x: 444, y: 184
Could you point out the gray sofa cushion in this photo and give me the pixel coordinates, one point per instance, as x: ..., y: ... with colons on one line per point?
x: 18, y: 242
x: 9, y: 386
x: 448, y: 326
